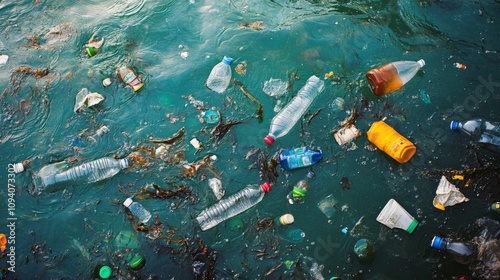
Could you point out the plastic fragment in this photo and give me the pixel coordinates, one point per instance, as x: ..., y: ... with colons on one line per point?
x: 459, y: 65
x: 447, y: 195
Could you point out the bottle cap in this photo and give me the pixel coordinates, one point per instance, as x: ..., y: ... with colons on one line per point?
x: 436, y: 242
x: 286, y: 219
x: 495, y: 206
x: 227, y: 60
x: 105, y: 272
x: 211, y: 116
x: 137, y: 262
x: 127, y: 202
x: 454, y: 125
x: 298, y: 192
x: 91, y: 51
x: 266, y: 187
x: 106, y: 82
x: 421, y: 62
x: 137, y: 87
x: 124, y: 163
x: 269, y: 139
x: 18, y: 167
x: 412, y: 226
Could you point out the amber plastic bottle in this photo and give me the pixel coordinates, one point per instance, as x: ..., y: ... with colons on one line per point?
x: 391, y: 142
x: 392, y: 76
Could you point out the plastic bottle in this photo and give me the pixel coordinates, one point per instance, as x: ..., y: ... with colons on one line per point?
x: 103, y: 271
x: 391, y: 142
x: 283, y: 122
x: 285, y: 219
x: 300, y: 189
x: 93, y: 46
x: 137, y: 210
x: 299, y: 157
x: 294, y: 235
x: 393, y: 215
x: 392, y: 76
x: 481, y: 131
x: 220, y: 76
x: 232, y: 205
x: 461, y: 252
x: 128, y: 76
x: 89, y: 172
x: 137, y: 262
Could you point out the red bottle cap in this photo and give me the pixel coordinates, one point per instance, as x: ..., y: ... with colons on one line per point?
x: 269, y: 139
x: 266, y: 187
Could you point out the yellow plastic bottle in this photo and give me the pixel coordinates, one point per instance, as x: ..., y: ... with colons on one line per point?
x: 391, y: 142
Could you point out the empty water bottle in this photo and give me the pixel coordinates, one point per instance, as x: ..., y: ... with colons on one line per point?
x: 300, y: 189
x: 461, y: 252
x: 392, y: 76
x: 481, y: 131
x: 58, y: 173
x: 220, y: 76
x: 283, y: 122
x: 299, y: 157
x: 232, y: 205
x: 137, y: 210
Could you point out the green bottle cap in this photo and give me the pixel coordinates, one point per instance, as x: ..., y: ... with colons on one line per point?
x: 297, y: 192
x: 105, y: 272
x: 91, y: 51
x: 412, y: 226
x: 137, y: 262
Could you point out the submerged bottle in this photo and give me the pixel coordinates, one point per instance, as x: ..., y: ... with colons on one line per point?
x: 481, y: 131
x: 300, y: 189
x: 283, y: 122
x: 59, y: 174
x: 461, y: 252
x: 220, y: 76
x: 392, y: 76
x: 128, y: 76
x: 93, y: 46
x: 299, y: 157
x: 103, y: 270
x: 232, y: 205
x: 137, y: 210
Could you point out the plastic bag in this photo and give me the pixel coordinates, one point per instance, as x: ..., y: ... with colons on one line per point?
x: 84, y: 98
x: 447, y: 195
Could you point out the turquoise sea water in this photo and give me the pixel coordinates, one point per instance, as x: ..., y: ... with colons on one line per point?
x: 63, y: 235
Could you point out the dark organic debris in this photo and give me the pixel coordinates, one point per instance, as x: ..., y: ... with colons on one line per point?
x: 175, y: 138
x: 221, y: 129
x: 345, y: 184
x: 260, y: 110
x: 155, y: 191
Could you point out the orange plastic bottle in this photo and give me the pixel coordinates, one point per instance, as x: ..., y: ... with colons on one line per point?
x: 390, y: 77
x: 391, y: 142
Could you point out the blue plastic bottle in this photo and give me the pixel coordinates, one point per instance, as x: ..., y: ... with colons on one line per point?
x: 299, y: 157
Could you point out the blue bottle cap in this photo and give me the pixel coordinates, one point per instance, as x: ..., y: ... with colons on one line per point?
x: 227, y: 60
x: 436, y: 242
x: 454, y: 125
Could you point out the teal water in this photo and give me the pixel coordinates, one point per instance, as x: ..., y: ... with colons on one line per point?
x: 63, y: 235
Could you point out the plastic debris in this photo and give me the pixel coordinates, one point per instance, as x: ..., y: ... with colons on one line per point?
x: 216, y: 186
x: 329, y: 75
x: 364, y: 250
x: 328, y: 206
x: 447, y: 195
x: 241, y: 68
x: 275, y: 88
x: 211, y: 116
x: 106, y: 82
x: 3, y: 59
x: 346, y: 134
x: 459, y: 65
x: 84, y: 98
x: 425, y: 97
x: 337, y: 104
x: 195, y: 143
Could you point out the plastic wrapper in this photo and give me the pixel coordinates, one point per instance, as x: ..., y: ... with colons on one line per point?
x: 447, y: 195
x: 84, y: 98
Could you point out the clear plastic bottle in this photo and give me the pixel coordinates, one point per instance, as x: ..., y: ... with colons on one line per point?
x: 89, y: 172
x: 299, y: 157
x: 461, y: 252
x: 392, y: 76
x: 220, y: 76
x: 300, y: 189
x: 481, y: 131
x: 128, y: 76
x: 232, y: 205
x: 283, y: 122
x: 137, y: 210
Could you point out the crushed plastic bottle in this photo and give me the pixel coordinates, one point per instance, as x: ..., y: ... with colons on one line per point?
x: 129, y: 77
x: 232, y: 205
x: 283, y: 122
x: 220, y: 76
x: 299, y: 157
x: 481, y: 131
x: 216, y: 186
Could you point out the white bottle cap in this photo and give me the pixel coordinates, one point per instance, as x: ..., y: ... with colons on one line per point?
x: 18, y: 168
x: 421, y: 63
x: 286, y: 219
x: 123, y: 163
x: 106, y: 82
x: 127, y: 202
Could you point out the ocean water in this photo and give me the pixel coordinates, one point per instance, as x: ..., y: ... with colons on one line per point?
x: 173, y: 45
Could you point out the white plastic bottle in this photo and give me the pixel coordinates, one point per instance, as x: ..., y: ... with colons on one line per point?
x: 137, y: 210
x: 232, y: 205
x: 89, y: 172
x: 283, y: 122
x: 481, y: 131
x: 220, y: 76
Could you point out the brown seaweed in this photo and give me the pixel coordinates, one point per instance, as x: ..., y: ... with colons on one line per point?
x: 176, y: 137
x: 243, y: 88
x: 155, y: 191
x: 221, y: 130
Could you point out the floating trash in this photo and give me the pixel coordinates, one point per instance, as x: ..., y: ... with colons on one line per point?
x: 211, y: 116
x: 275, y: 88
x: 84, y: 98
x: 425, y: 97
x: 3, y: 59
x: 337, y: 104
x: 241, y: 68
x: 459, y: 65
